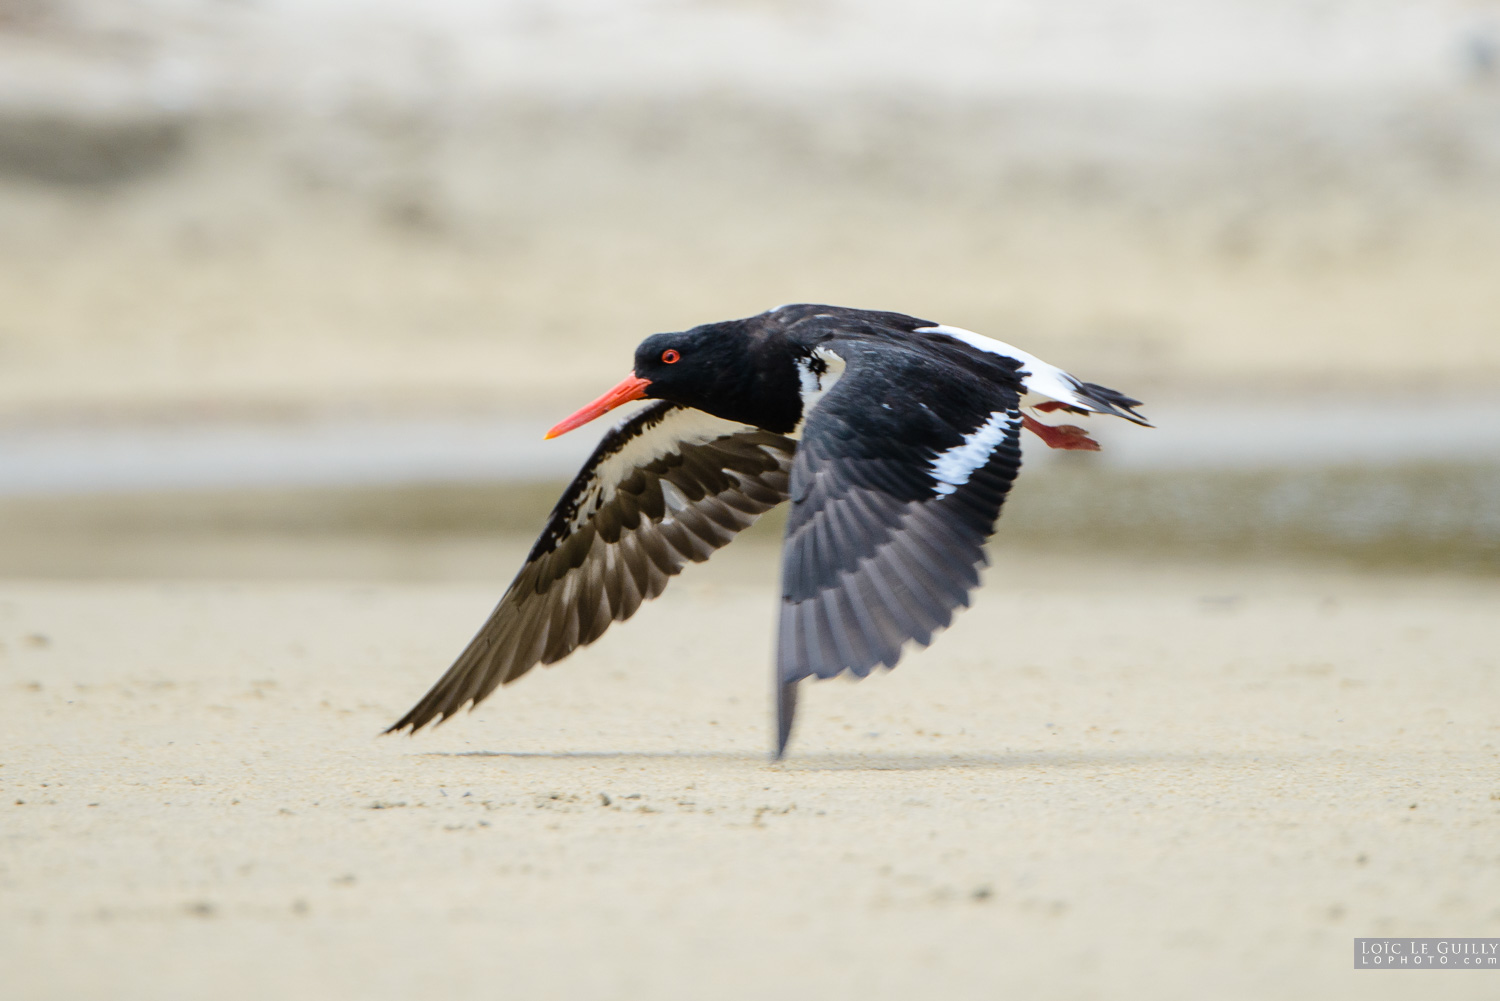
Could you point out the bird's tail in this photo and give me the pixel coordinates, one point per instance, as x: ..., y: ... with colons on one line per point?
x: 1112, y: 401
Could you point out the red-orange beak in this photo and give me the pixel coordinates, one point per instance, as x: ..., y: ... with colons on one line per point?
x: 630, y: 388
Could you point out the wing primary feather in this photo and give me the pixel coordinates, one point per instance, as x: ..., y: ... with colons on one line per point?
x: 470, y: 677
x: 831, y: 656
x: 562, y: 636
x: 847, y: 635
x: 914, y: 600
x: 887, y: 577
x: 808, y: 649
x: 590, y: 595
x: 786, y: 713
x: 633, y: 556
x: 613, y: 577
x: 875, y: 618
x: 787, y: 637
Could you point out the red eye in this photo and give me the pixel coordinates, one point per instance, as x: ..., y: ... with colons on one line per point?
x: 670, y: 356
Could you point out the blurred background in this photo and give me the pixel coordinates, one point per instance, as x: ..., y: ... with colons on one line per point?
x: 292, y: 288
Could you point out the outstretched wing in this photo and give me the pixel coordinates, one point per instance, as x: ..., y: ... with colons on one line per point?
x: 897, y: 483
x: 668, y: 486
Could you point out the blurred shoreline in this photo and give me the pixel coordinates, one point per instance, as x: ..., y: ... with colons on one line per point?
x: 349, y: 262
x: 1412, y: 517
x: 438, y: 262
x: 1371, y: 486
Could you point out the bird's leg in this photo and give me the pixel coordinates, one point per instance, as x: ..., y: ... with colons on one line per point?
x: 1061, y: 436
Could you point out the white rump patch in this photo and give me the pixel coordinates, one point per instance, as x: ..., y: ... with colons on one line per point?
x: 952, y: 469
x: 1036, y: 375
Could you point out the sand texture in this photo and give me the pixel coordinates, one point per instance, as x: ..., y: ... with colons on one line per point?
x: 1107, y: 780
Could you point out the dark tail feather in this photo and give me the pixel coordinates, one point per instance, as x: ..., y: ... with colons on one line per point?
x: 1113, y: 402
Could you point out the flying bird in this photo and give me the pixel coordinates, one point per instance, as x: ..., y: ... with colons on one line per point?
x: 896, y: 440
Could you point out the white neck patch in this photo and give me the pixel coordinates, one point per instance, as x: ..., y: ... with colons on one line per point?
x: 952, y: 469
x: 818, y: 375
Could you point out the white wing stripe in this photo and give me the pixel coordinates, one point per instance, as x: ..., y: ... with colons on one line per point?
x: 952, y: 469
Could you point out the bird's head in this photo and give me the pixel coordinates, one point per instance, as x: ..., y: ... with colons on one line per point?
x: 723, y: 369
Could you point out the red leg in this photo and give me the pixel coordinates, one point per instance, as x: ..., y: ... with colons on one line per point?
x: 1061, y: 436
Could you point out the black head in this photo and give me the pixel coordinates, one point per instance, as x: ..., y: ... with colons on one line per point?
x: 739, y: 370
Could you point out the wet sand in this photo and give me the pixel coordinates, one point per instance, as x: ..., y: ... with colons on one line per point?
x: 1109, y: 779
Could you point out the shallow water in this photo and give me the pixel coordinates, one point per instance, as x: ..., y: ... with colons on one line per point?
x: 1429, y: 518
x: 510, y: 449
x: 1359, y: 483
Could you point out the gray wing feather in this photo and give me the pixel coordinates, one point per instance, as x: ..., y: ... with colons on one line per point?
x: 877, y: 555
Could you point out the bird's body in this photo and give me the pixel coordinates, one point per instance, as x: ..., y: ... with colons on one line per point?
x: 895, y: 439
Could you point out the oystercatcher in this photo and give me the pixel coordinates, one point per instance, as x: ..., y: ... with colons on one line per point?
x: 896, y: 440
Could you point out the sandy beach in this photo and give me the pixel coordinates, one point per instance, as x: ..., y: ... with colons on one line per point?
x: 1109, y: 779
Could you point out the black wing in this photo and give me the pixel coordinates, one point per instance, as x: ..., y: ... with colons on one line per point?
x: 897, y: 483
x: 668, y: 486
